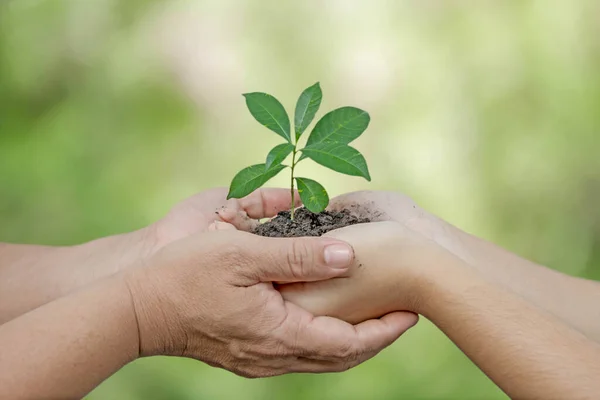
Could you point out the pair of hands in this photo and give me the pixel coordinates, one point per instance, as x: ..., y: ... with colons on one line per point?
x: 211, y: 296
x: 206, y: 290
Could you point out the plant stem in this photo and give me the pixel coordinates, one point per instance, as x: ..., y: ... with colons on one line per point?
x: 292, y: 182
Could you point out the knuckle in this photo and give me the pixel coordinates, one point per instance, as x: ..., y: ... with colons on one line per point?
x: 299, y: 258
x: 234, y: 257
x: 249, y: 374
x: 235, y: 250
x: 343, y: 366
x: 273, y: 348
x: 276, y: 351
x: 237, y: 351
x: 348, y: 352
x: 217, y: 252
x: 244, y: 372
x: 347, y: 365
x: 254, y: 372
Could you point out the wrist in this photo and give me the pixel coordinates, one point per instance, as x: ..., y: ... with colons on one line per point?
x: 112, y: 254
x: 159, y: 332
x: 477, y: 253
x: 402, y: 264
x: 448, y: 282
x: 116, y: 288
x: 423, y: 268
x: 442, y: 233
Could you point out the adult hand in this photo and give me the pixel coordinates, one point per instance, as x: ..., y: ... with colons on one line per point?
x: 193, y: 215
x: 197, y: 213
x: 36, y: 275
x: 210, y: 297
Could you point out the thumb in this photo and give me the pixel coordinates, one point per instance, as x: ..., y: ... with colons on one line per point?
x: 221, y: 226
x: 302, y: 260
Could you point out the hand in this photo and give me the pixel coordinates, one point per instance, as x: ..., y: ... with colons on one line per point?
x: 397, y: 207
x: 193, y: 215
x: 393, y: 266
x: 378, y: 206
x: 38, y: 274
x: 197, y: 213
x: 209, y: 297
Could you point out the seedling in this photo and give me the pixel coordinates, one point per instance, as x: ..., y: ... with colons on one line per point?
x: 327, y: 144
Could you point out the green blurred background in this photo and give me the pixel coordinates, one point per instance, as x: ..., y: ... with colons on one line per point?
x: 487, y: 113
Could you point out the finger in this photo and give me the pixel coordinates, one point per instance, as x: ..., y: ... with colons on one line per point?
x: 271, y: 367
x: 239, y: 219
x: 266, y: 203
x: 298, y: 259
x: 319, y: 298
x: 323, y: 366
x: 304, y: 365
x: 263, y: 203
x: 403, y: 320
x: 377, y: 334
x: 330, y: 339
x: 313, y: 360
x: 221, y: 226
x: 311, y: 366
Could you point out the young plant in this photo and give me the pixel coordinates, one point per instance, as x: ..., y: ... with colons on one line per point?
x: 327, y: 144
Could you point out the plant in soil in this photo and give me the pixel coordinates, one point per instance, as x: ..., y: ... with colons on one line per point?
x: 328, y: 145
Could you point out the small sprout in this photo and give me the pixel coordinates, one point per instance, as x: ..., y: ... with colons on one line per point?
x: 327, y: 144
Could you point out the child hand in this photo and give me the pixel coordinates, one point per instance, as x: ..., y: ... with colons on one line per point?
x: 392, y: 267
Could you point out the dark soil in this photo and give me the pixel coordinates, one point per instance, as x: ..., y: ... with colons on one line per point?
x: 306, y: 223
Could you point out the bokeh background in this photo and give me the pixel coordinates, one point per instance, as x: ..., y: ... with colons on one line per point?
x: 487, y: 113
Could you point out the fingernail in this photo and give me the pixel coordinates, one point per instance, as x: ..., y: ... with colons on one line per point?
x: 227, y: 214
x: 338, y: 255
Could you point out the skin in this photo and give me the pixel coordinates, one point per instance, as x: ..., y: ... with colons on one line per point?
x: 31, y: 276
x: 206, y: 296
x: 529, y: 345
x: 571, y: 299
x: 519, y: 335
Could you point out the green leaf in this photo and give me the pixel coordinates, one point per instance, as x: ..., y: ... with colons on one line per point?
x: 340, y: 126
x: 249, y: 179
x: 307, y: 106
x: 339, y: 157
x: 278, y: 154
x: 313, y: 195
x: 267, y: 110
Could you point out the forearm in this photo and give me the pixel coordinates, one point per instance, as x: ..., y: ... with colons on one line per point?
x: 571, y: 299
x: 67, y: 347
x: 526, y: 351
x: 31, y: 276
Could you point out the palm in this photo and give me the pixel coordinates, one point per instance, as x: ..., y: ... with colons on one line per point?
x: 390, y: 206
x: 378, y: 206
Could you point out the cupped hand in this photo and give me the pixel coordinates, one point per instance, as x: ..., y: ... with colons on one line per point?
x: 193, y: 215
x: 390, y: 272
x: 210, y: 297
x: 198, y: 212
x: 392, y: 206
x: 378, y: 206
